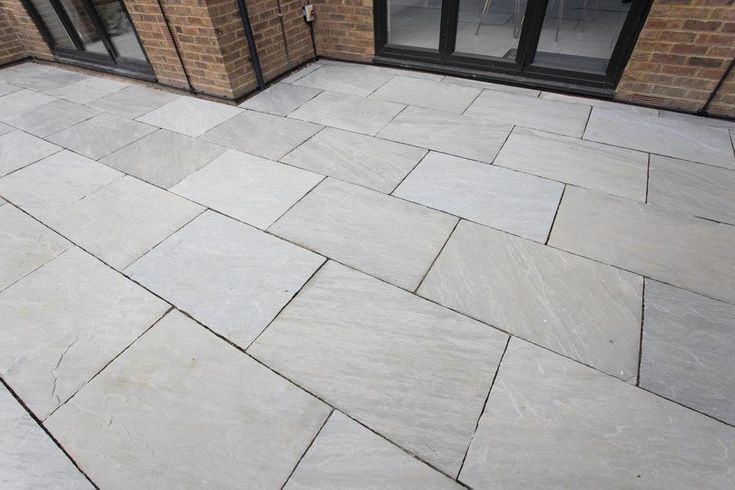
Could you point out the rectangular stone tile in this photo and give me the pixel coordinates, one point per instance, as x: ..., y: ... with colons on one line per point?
x: 18, y: 149
x: 582, y: 309
x: 550, y: 422
x: 356, y: 158
x: 248, y: 188
x: 64, y: 322
x: 26, y: 245
x: 52, y: 117
x: 531, y: 112
x: 101, y: 135
x: 684, y: 251
x: 412, y: 371
x: 346, y: 79
x: 606, y: 104
x: 670, y: 137
x: 384, y: 236
x: 464, y: 136
x: 348, y: 112
x: 88, y: 89
x: 510, y: 201
x: 261, y: 134
x: 604, y: 168
x: 4, y: 129
x: 16, y: 103
x: 133, y: 101
x: 6, y: 88
x: 347, y: 455
x: 693, y: 189
x: 280, y: 99
x: 55, y: 182
x: 701, y: 120
x: 190, y: 116
x: 688, y: 348
x: 163, y: 158
x: 40, y: 78
x: 229, y: 276
x: 429, y: 94
x: 123, y: 220
x: 31, y: 459
x: 182, y: 408
x: 301, y: 72
x: 491, y: 86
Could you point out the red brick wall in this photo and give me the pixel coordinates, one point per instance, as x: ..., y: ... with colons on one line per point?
x: 344, y: 29
x: 26, y: 31
x: 11, y: 48
x: 723, y: 104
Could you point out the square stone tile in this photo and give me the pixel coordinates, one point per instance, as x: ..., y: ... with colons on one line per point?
x: 18, y: 149
x: 687, y: 252
x: 229, y: 276
x: 577, y: 307
x: 603, y: 168
x: 513, y: 89
x: 16, y: 103
x: 55, y: 182
x: 345, y: 79
x: 550, y: 422
x: 52, y: 117
x: 248, y: 188
x: 669, y: 137
x: 531, y: 112
x: 261, y: 134
x: 606, y: 104
x: 4, y: 129
x: 510, y: 201
x: 40, y: 78
x: 190, y: 116
x: 701, y: 120
x: 182, y: 408
x: 347, y: 455
x: 688, y: 348
x: 123, y: 220
x: 26, y: 245
x: 6, y: 88
x: 693, y: 189
x: 163, y: 158
x: 301, y: 72
x: 88, y: 89
x: 31, y: 459
x: 133, y: 101
x: 348, y: 112
x: 281, y: 99
x: 429, y: 94
x: 464, y: 136
x: 381, y: 235
x: 352, y: 157
x: 101, y: 135
x: 413, y: 371
x: 64, y: 322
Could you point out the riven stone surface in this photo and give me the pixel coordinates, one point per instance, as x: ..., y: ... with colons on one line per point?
x: 6, y: 88
x: 133, y: 101
x: 52, y: 117
x: 606, y: 104
x: 345, y: 79
x: 88, y: 89
x: 189, y: 116
x: 429, y: 94
x: 38, y: 77
x: 281, y: 99
x: 21, y: 101
x: 513, y: 89
x: 18, y: 149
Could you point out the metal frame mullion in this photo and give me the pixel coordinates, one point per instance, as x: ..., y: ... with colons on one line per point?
x: 100, y: 27
x: 448, y: 27
x: 68, y: 24
x: 531, y: 26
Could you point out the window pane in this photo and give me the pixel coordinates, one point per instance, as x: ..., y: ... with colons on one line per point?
x: 414, y: 23
x: 119, y: 29
x: 59, y: 37
x: 490, y: 27
x: 84, y: 26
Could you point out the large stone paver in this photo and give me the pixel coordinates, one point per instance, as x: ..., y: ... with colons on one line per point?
x: 190, y: 116
x: 133, y: 101
x: 18, y: 149
x: 39, y: 77
x: 182, y: 408
x: 411, y: 370
x: 345, y: 79
x: 577, y: 307
x: 553, y: 423
x: 52, y: 117
x: 429, y: 94
x: 88, y: 89
x: 281, y: 99
x: 16, y: 103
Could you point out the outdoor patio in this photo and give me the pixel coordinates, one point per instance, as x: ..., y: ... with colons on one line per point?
x: 362, y: 277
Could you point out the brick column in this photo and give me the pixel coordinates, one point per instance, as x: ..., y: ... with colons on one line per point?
x: 723, y: 104
x: 27, y: 32
x: 344, y: 29
x: 10, y: 47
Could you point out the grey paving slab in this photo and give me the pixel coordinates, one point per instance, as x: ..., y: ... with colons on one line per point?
x: 693, y: 189
x: 89, y: 89
x: 364, y: 160
x: 551, y: 422
x: 4, y: 129
x: 345, y: 79
x: 349, y: 112
x: 607, y: 104
x: 55, y: 182
x: 464, y: 136
x: 190, y: 116
x: 31, y: 459
x: 281, y: 99
x: 688, y: 348
x: 518, y: 203
x: 687, y: 252
x: 410, y: 370
x: 18, y: 149
x: 429, y: 94
x: 701, y: 120
x: 133, y: 101
x: 579, y: 308
x: 40, y: 79
x: 261, y: 134
x: 404, y: 72
x: 302, y: 72
x: 603, y: 168
x: 182, y: 408
x: 6, y: 88
x: 64, y: 322
x: 123, y: 220
x: 100, y: 135
x: 229, y: 276
x: 347, y: 455
x: 491, y: 86
x: 669, y: 137
x: 26, y: 245
x: 248, y: 188
x: 16, y: 103
x: 531, y: 112
x: 52, y: 117
x: 384, y: 236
